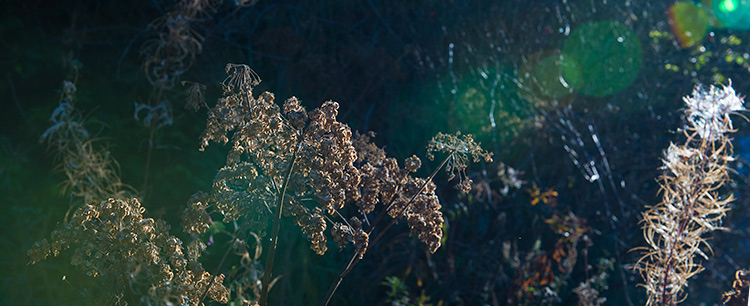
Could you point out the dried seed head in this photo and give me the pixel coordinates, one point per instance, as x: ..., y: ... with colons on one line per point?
x: 412, y: 163
x: 461, y: 148
x: 708, y: 110
x: 691, y: 206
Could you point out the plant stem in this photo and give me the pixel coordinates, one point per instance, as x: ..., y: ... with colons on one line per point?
x: 335, y: 285
x: 151, y: 136
x: 688, y: 207
x: 275, y: 234
x: 148, y: 159
x: 216, y: 272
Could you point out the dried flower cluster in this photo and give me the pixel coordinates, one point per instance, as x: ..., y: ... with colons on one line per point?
x: 691, y: 204
x: 588, y: 291
x: 195, y: 218
x: 510, y: 178
x: 284, y: 161
x: 423, y: 214
x: 460, y: 147
x: 539, y: 275
x: 322, y: 166
x: 113, y: 239
x: 287, y: 161
x: 309, y: 154
x: 708, y: 110
x: 385, y: 183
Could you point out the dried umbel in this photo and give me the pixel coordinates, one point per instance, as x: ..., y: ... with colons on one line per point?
x: 691, y: 204
x: 312, y: 156
x: 461, y: 148
x: 195, y: 218
x: 113, y: 239
x: 287, y: 161
x: 387, y: 187
x: 279, y: 152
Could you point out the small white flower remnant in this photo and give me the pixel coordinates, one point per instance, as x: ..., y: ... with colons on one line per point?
x: 677, y: 159
x: 708, y: 111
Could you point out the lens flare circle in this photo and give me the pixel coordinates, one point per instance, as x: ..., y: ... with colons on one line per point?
x: 602, y: 58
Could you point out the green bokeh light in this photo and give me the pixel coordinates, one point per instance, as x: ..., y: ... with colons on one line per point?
x: 608, y: 57
x: 433, y: 108
x: 542, y: 75
x: 549, y: 75
x: 733, y: 14
x: 473, y: 105
x: 728, y: 6
x: 689, y: 23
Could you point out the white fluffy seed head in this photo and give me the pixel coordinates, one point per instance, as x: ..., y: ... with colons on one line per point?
x: 708, y: 110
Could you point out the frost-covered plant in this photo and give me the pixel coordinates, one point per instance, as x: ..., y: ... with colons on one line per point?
x: 691, y: 204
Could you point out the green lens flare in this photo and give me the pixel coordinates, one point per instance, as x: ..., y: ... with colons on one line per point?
x: 733, y: 14
x: 728, y: 6
x: 689, y: 23
x: 608, y: 57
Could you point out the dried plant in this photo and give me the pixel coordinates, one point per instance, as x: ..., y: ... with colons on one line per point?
x: 540, y: 276
x: 91, y: 173
x: 166, y: 57
x: 112, y: 238
x: 461, y: 148
x: 173, y: 51
x: 691, y: 205
x: 738, y: 295
x: 589, y: 291
x: 404, y: 196
x: 286, y: 161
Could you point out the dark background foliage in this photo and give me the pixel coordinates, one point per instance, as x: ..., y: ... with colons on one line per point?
x: 406, y: 70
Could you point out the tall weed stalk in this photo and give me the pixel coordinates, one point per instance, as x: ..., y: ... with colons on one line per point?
x: 692, y: 204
